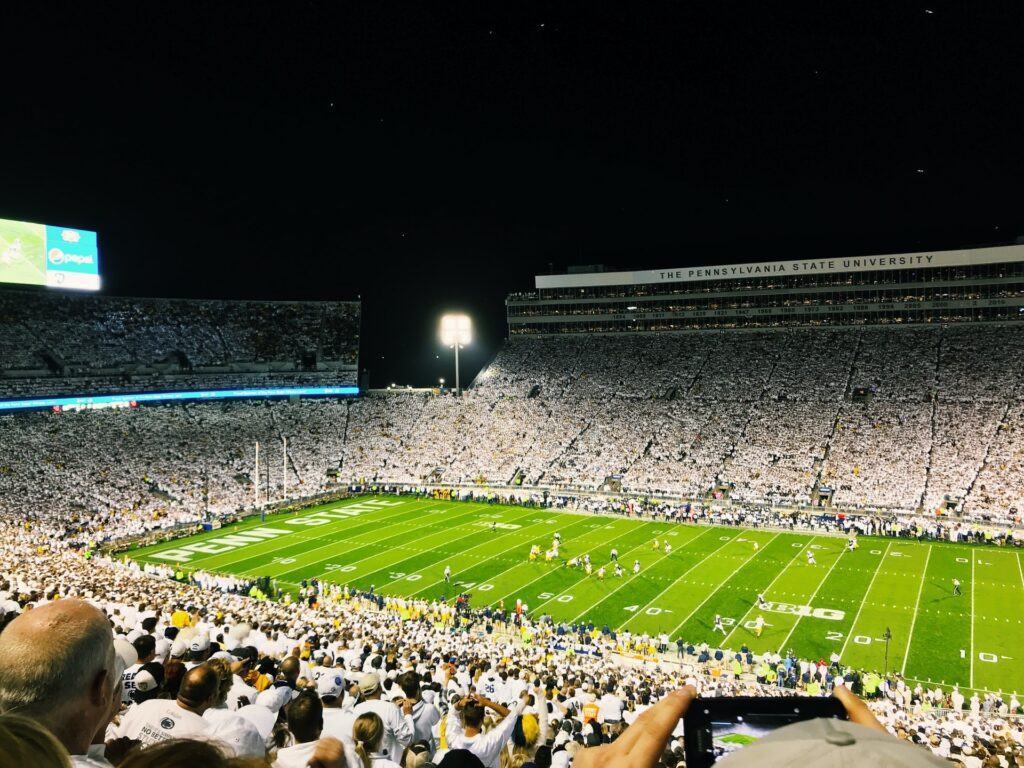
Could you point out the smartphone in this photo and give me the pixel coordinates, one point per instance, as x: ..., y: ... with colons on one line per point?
x: 716, y: 727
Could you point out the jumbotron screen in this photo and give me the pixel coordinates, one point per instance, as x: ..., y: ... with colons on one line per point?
x: 41, y: 254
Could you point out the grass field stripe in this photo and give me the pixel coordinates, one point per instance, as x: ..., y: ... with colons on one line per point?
x: 405, y: 534
x: 430, y: 533
x: 717, y: 589
x: 361, y: 540
x: 500, y: 554
x: 810, y: 600
x: 373, y: 528
x: 765, y: 591
x: 487, y: 543
x: 910, y: 635
x: 973, y: 558
x: 682, y: 576
x: 336, y: 536
x: 626, y: 583
x: 545, y: 574
x: 580, y: 576
x: 295, y: 537
x: 646, y: 546
x: 864, y: 599
x: 496, y: 556
x: 496, y: 576
x: 251, y: 521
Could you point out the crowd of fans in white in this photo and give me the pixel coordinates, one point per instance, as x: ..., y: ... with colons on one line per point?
x: 902, y: 419
x: 92, y: 335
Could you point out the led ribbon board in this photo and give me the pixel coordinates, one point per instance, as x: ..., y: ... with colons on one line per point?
x: 85, y: 401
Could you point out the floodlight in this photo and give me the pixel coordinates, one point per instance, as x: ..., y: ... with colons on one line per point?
x: 456, y: 329
x: 456, y: 332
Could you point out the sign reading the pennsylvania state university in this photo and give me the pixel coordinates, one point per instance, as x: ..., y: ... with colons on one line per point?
x: 926, y: 260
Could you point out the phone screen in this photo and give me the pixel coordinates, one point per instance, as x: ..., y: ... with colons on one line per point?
x: 715, y: 728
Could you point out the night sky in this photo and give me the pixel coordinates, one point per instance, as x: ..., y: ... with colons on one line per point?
x: 434, y: 155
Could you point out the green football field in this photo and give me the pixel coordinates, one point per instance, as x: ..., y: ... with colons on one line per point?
x: 844, y: 602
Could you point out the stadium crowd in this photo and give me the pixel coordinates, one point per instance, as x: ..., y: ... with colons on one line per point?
x: 792, y: 418
x: 121, y: 662
x: 71, y: 344
x: 724, y: 427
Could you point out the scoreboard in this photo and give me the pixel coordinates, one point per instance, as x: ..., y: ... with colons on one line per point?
x: 42, y: 254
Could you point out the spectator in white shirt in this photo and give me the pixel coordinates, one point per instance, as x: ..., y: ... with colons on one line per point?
x: 398, y: 724
x: 305, y: 724
x: 610, y: 707
x: 159, y: 720
x: 465, y: 727
x: 424, y: 715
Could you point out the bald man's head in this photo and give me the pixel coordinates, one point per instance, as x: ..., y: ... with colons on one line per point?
x: 290, y: 668
x: 199, y: 688
x: 57, y: 666
x: 52, y: 652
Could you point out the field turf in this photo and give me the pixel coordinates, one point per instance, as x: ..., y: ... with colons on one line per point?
x: 845, y: 602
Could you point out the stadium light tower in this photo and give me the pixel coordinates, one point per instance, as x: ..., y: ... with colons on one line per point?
x: 456, y: 332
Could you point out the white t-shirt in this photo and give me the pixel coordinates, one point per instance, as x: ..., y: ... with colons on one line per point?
x: 487, y: 746
x: 128, y: 682
x: 158, y: 720
x: 398, y: 728
x: 610, y: 708
x: 296, y: 756
x: 240, y: 688
x: 338, y: 723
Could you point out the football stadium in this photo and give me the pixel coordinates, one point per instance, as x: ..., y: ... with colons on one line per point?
x: 413, y: 417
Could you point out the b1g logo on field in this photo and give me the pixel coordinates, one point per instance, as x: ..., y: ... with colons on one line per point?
x: 805, y: 610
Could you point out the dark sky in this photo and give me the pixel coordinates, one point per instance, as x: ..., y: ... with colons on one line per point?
x: 434, y: 155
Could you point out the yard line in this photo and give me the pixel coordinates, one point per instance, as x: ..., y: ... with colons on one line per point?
x: 906, y: 653
x: 490, y: 578
x: 864, y: 599
x: 549, y: 572
x: 672, y: 584
x: 471, y: 523
x: 636, y: 576
x: 625, y: 556
x: 810, y: 600
x: 973, y: 558
x: 432, y: 584
x: 333, y: 543
x: 391, y: 511
x: 1020, y: 570
x: 295, y: 537
x: 717, y: 589
x: 766, y: 589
